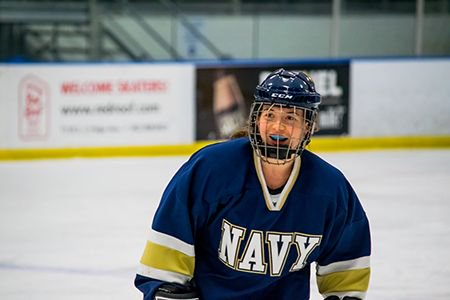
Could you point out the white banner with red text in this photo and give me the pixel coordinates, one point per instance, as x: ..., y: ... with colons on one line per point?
x: 84, y: 105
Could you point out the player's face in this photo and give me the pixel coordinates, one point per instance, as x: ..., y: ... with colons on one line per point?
x: 281, y: 125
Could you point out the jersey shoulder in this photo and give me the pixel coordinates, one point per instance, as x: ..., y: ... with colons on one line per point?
x: 324, y: 179
x: 225, y: 154
x: 223, y: 167
x: 317, y: 166
x: 328, y: 181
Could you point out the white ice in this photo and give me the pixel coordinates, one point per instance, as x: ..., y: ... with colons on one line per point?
x: 76, y: 228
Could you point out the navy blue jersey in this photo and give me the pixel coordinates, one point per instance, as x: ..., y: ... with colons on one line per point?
x: 218, y: 225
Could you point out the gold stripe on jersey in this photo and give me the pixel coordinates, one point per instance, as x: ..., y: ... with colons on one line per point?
x: 343, y: 281
x: 164, y: 258
x: 287, y: 188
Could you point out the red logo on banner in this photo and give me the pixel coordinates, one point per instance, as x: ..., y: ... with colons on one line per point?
x: 34, y: 106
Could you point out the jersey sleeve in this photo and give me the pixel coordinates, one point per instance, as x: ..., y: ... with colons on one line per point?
x: 169, y: 254
x: 343, y: 268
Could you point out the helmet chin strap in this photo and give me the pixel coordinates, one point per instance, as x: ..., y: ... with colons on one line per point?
x: 280, y: 155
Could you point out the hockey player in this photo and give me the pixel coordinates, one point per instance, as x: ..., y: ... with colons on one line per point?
x: 245, y: 218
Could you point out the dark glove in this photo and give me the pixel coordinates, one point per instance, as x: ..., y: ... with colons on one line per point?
x: 175, y: 291
x: 345, y: 298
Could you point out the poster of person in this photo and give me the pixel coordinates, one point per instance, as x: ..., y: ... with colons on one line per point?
x: 225, y: 92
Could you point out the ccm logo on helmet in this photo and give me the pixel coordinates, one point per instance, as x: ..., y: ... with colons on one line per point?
x: 283, y: 96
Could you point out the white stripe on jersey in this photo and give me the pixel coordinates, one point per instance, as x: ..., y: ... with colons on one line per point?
x: 171, y: 242
x: 353, y: 264
x: 162, y: 275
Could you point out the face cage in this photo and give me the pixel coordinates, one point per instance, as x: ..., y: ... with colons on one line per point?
x: 280, y: 154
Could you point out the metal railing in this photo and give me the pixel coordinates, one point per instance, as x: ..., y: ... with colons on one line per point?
x: 36, y: 29
x: 22, y: 20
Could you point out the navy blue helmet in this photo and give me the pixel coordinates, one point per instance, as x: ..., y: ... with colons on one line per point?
x: 286, y: 87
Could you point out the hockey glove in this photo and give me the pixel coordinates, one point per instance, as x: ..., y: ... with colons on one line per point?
x: 172, y: 291
x: 337, y: 298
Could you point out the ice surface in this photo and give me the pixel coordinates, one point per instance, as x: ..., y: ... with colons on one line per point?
x: 75, y: 229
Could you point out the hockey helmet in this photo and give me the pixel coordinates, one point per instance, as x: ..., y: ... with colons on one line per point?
x: 290, y: 88
x: 284, y: 89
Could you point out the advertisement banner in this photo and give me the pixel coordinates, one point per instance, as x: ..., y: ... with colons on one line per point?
x: 54, y: 106
x: 405, y: 97
x: 224, y: 95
